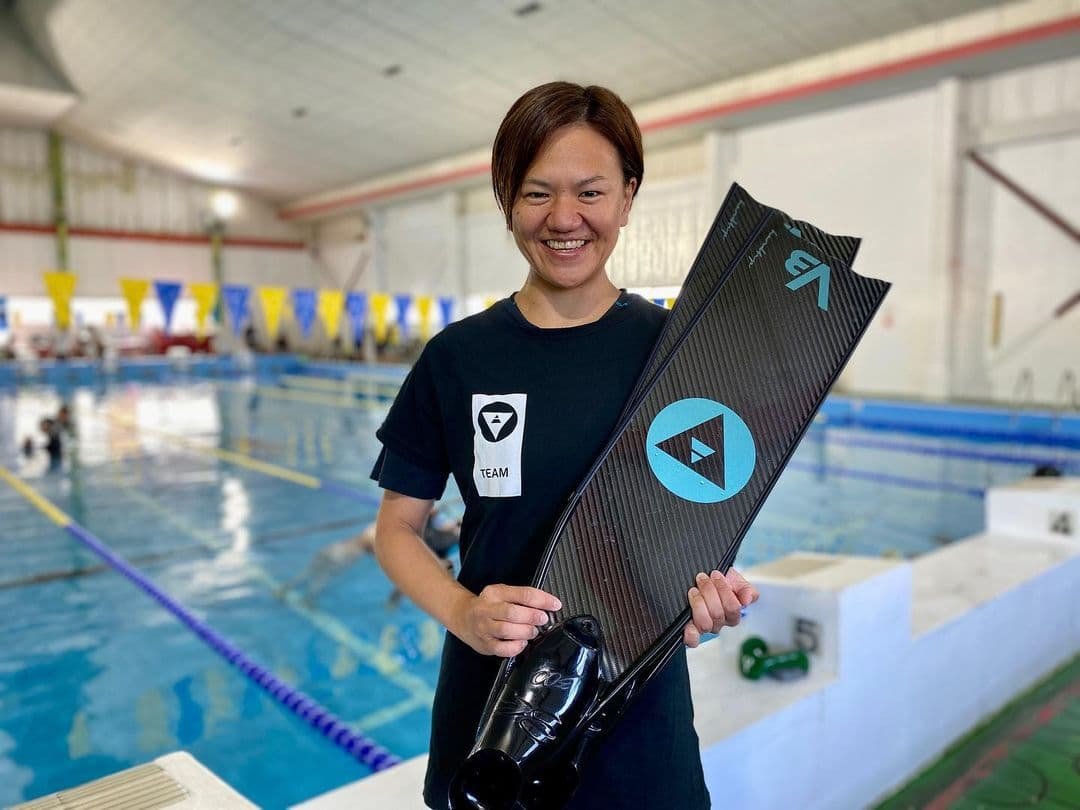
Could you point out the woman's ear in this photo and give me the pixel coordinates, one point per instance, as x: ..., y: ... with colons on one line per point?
x: 628, y: 201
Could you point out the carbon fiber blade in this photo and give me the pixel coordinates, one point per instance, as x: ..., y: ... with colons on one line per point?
x: 758, y: 360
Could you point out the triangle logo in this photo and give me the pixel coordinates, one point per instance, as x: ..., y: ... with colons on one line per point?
x: 696, y: 447
x: 497, y: 421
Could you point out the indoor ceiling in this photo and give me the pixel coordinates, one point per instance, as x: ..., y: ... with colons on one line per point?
x: 291, y: 97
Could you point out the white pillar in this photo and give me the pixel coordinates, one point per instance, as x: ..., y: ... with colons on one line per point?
x: 945, y: 238
x: 454, y: 280
x: 719, y: 149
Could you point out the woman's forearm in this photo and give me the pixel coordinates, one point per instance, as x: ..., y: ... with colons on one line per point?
x: 418, y: 573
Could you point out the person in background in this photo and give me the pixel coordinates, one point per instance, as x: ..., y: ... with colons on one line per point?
x: 65, y: 420
x: 53, y: 445
x: 516, y: 402
x: 441, y: 535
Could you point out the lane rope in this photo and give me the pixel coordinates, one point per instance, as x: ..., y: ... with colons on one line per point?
x: 355, y: 743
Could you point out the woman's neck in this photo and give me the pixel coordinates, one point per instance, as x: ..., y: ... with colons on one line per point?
x: 551, y: 307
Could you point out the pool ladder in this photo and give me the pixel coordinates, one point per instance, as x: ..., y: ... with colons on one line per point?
x: 1068, y: 392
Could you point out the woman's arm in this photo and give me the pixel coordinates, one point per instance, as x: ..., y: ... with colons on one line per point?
x: 500, y: 620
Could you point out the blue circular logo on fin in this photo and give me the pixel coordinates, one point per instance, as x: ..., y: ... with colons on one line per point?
x: 701, y: 450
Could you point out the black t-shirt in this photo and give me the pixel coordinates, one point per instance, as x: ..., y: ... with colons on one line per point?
x: 517, y: 414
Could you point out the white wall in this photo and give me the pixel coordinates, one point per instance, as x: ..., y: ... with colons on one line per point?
x: 865, y: 169
x: 124, y: 198
x: 890, y: 170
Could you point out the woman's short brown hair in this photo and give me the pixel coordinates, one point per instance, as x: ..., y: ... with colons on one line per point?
x: 544, y: 109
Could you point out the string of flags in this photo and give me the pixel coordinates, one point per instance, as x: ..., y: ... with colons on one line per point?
x: 389, y: 317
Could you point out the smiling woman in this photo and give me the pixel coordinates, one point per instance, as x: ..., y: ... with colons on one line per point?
x: 516, y: 402
x: 566, y: 222
x: 566, y: 166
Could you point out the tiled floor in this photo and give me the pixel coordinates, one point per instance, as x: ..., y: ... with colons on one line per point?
x: 1028, y: 755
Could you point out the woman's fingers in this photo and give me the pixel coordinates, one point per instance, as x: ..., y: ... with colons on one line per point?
x: 717, y: 600
x: 520, y: 614
x: 746, y: 593
x: 530, y: 597
x: 506, y: 617
x: 508, y: 649
x: 700, y: 614
x: 691, y: 636
x: 514, y: 631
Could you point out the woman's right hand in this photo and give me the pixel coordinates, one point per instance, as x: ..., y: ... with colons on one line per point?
x: 502, y: 619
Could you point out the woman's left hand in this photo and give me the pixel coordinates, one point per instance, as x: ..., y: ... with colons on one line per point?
x: 716, y: 601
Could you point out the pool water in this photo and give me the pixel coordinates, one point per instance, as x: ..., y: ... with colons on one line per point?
x: 194, y: 483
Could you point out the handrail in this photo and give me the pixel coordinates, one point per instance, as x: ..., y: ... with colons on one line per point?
x: 1025, y: 384
x: 1068, y: 392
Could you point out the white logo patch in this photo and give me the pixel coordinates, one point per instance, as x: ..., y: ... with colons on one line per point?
x: 498, y: 430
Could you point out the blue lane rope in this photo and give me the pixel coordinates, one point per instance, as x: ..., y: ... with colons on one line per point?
x: 884, y: 478
x: 1067, y: 441
x: 356, y: 744
x: 967, y: 455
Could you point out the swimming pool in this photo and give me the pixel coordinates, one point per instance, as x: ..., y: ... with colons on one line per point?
x: 195, y: 482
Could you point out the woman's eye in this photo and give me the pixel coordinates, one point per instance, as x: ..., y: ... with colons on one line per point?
x: 535, y: 195
x: 590, y: 195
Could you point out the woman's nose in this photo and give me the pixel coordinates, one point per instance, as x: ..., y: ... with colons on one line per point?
x: 564, y: 214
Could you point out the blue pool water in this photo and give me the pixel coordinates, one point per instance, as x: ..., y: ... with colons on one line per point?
x: 95, y: 676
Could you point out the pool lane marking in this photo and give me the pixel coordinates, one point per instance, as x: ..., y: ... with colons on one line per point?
x: 389, y: 714
x: 306, y: 396
x: 385, y: 664
x: 966, y: 455
x: 297, y: 702
x: 885, y: 478
x: 264, y: 467
x: 231, y: 456
x: 43, y: 505
x: 345, y: 385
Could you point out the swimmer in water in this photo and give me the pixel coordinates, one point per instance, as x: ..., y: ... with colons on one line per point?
x: 441, y: 535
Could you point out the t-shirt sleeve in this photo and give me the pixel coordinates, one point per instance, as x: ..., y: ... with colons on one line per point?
x: 413, y: 434
x: 395, y: 473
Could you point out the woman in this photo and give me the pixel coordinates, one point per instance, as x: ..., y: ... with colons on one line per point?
x: 516, y: 402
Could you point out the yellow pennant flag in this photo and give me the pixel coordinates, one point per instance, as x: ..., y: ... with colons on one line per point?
x: 380, y: 305
x: 61, y: 286
x: 669, y: 303
x: 273, y: 302
x: 134, y: 290
x: 423, y: 308
x: 205, y: 295
x: 329, y: 309
x: 489, y: 302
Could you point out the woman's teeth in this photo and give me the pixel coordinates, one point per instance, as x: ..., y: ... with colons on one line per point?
x: 556, y: 245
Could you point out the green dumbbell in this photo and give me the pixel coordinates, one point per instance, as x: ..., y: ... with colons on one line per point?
x: 755, y: 661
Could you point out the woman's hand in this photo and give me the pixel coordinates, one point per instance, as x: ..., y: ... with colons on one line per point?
x: 716, y: 601
x: 502, y: 619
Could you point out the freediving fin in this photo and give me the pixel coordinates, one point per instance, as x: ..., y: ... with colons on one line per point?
x: 765, y: 322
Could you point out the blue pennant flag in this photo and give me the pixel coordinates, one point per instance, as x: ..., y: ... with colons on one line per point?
x: 236, y: 300
x: 660, y: 302
x: 356, y: 306
x: 446, y: 309
x: 303, y: 305
x: 403, y: 300
x: 3, y: 312
x: 167, y: 293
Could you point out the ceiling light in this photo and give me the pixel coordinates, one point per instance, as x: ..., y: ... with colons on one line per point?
x: 224, y: 204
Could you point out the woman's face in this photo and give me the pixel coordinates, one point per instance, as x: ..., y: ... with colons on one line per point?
x: 571, y: 205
